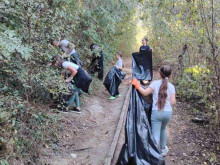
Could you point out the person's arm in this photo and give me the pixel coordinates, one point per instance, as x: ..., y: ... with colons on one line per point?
x: 73, y: 73
x: 120, y: 68
x: 173, y: 99
x: 65, y: 55
x: 143, y: 91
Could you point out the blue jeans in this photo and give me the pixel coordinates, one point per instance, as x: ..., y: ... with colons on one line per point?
x: 159, y: 121
x: 74, y: 97
x: 75, y: 59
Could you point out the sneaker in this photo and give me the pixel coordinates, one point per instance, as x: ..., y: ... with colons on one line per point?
x: 165, y: 151
x: 75, y: 110
x: 118, y: 95
x: 111, y: 98
x: 63, y: 110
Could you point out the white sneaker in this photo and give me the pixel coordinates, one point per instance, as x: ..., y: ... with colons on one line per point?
x: 165, y: 151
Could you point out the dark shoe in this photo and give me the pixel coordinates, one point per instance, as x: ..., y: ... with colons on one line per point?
x: 75, y: 110
x: 63, y: 110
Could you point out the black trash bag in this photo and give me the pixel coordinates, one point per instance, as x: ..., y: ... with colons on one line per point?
x: 82, y: 80
x: 113, y: 80
x: 140, y: 147
x: 142, y: 66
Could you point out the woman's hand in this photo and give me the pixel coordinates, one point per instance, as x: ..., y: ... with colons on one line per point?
x: 136, y: 83
x: 143, y: 91
x: 68, y: 80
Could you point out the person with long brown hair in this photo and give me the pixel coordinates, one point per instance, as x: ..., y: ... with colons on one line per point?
x: 163, y: 100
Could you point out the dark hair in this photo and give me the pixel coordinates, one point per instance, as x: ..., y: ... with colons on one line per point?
x: 165, y: 73
x: 57, y: 60
x: 51, y: 41
x: 119, y: 53
x: 145, y: 38
x: 91, y: 46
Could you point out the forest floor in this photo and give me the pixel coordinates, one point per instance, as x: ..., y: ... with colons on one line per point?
x: 88, y: 136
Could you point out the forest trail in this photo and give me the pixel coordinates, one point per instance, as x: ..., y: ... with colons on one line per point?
x: 188, y: 143
x: 89, y: 135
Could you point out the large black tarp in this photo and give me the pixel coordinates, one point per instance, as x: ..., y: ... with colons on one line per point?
x: 113, y: 80
x: 140, y: 147
x: 142, y: 65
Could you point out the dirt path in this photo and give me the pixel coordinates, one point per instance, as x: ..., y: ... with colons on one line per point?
x: 89, y: 135
x: 188, y: 143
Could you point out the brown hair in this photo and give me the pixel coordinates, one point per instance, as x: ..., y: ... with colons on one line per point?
x: 145, y: 38
x: 119, y: 53
x: 57, y: 60
x: 165, y: 73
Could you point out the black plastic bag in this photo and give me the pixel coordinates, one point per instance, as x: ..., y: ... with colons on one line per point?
x: 113, y: 80
x: 140, y: 147
x: 142, y: 65
x: 82, y: 80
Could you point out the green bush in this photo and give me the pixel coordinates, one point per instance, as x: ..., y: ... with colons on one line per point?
x: 196, y: 87
x: 26, y: 83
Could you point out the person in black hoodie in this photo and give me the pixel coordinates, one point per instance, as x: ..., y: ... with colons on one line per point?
x: 97, y: 61
x: 144, y: 47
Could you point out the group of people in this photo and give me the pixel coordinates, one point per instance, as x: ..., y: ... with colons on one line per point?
x: 163, y: 91
x: 163, y: 100
x: 73, y: 73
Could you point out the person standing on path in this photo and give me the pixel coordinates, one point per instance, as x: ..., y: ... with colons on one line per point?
x: 119, y: 63
x: 69, y: 51
x: 119, y: 66
x: 163, y: 101
x: 144, y: 48
x: 97, y: 61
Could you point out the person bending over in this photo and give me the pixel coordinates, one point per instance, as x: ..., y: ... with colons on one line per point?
x: 69, y: 51
x: 73, y: 71
x: 163, y: 101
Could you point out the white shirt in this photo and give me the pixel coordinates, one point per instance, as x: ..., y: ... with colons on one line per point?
x: 155, y: 85
x: 119, y: 63
x: 67, y: 63
x: 64, y: 46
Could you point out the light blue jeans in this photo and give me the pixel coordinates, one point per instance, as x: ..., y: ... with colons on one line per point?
x: 159, y: 121
x: 74, y: 97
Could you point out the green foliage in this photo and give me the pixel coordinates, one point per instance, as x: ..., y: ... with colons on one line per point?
x: 184, y: 34
x: 197, y: 88
x: 26, y: 83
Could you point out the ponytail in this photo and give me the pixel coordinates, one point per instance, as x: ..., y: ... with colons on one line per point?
x: 162, y: 96
x: 165, y: 73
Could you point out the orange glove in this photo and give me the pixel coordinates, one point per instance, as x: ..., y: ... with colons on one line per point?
x: 136, y: 83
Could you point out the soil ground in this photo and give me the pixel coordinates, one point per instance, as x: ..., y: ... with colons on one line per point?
x: 89, y: 135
